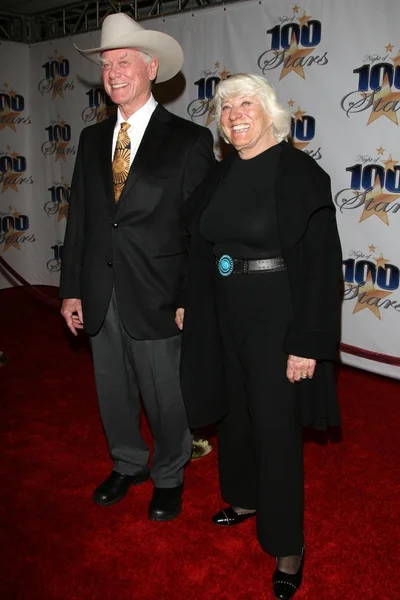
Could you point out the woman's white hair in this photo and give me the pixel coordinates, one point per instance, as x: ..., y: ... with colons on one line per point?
x: 247, y: 84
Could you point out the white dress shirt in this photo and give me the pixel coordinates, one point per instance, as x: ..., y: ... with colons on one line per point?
x: 138, y: 123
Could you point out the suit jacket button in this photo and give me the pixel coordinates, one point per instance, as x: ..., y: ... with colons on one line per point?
x: 109, y: 264
x: 115, y: 225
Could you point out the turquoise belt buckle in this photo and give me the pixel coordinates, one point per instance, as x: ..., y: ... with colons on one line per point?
x: 225, y: 265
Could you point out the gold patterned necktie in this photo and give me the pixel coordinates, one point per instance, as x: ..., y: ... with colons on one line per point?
x: 121, y: 160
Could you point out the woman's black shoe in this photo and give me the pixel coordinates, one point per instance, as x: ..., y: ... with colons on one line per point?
x: 286, y: 585
x: 228, y: 516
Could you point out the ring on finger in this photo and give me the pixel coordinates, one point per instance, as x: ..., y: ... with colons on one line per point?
x: 303, y: 375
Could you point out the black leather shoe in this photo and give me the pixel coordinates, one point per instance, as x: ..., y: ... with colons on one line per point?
x: 114, y: 488
x: 286, y: 585
x: 228, y: 516
x: 166, y: 503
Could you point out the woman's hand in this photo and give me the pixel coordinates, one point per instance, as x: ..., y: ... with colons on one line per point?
x: 300, y: 368
x: 179, y: 316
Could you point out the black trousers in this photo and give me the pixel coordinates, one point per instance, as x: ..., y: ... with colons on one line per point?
x: 260, y: 440
x: 126, y: 372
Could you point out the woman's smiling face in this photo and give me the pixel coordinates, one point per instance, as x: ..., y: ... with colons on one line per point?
x: 246, y: 125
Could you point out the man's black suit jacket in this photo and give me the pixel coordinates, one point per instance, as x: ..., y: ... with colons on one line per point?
x: 138, y: 245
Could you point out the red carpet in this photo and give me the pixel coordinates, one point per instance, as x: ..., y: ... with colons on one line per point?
x: 57, y: 544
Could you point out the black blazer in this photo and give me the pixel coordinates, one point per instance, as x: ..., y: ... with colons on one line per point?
x: 138, y: 245
x: 311, y: 248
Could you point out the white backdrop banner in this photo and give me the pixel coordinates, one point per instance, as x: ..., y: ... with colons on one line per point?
x: 336, y: 66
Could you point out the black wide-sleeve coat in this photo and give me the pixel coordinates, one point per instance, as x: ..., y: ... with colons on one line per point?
x: 311, y: 248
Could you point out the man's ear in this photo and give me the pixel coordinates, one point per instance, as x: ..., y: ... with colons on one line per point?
x: 153, y: 68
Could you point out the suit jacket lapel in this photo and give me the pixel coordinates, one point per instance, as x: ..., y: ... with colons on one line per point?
x: 104, y: 152
x: 152, y: 140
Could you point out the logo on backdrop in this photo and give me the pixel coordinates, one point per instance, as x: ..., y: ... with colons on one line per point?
x: 12, y: 106
x: 378, y: 87
x: 99, y: 106
x: 57, y: 203
x: 14, y: 228
x: 374, y: 188
x: 303, y: 131
x: 56, y: 76
x: 58, y: 142
x: 206, y: 84
x: 370, y: 279
x: 54, y: 264
x: 294, y: 41
x: 13, y: 170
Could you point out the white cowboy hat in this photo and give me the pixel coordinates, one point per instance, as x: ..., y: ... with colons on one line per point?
x: 120, y: 31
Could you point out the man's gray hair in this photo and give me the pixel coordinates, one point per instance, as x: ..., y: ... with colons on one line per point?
x: 146, y: 57
x: 247, y: 84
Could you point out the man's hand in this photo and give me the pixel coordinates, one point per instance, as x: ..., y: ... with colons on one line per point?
x: 179, y: 316
x: 71, y: 310
x: 300, y: 368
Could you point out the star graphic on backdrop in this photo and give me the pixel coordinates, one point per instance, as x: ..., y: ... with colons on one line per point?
x: 389, y: 47
x: 224, y: 74
x: 384, y: 96
x: 372, y: 248
x: 296, y: 8
x: 304, y: 19
x: 396, y: 60
x: 368, y: 291
x: 217, y: 64
x: 58, y: 84
x: 377, y: 197
x: 211, y: 114
x: 381, y: 261
x: 11, y: 239
x: 217, y: 151
x: 291, y: 103
x: 299, y: 145
x: 380, y: 150
x: 293, y: 58
x: 298, y: 115
x: 9, y: 181
x: 7, y: 120
x: 62, y: 211
x: 60, y: 147
x: 389, y: 163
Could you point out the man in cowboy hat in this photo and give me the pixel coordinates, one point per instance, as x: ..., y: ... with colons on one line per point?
x: 124, y: 255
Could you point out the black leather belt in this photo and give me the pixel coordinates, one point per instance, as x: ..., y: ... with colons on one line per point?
x: 226, y: 265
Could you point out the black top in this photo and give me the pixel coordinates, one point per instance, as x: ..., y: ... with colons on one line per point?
x: 241, y: 217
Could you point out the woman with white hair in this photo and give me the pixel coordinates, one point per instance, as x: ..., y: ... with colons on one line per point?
x: 260, y: 315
